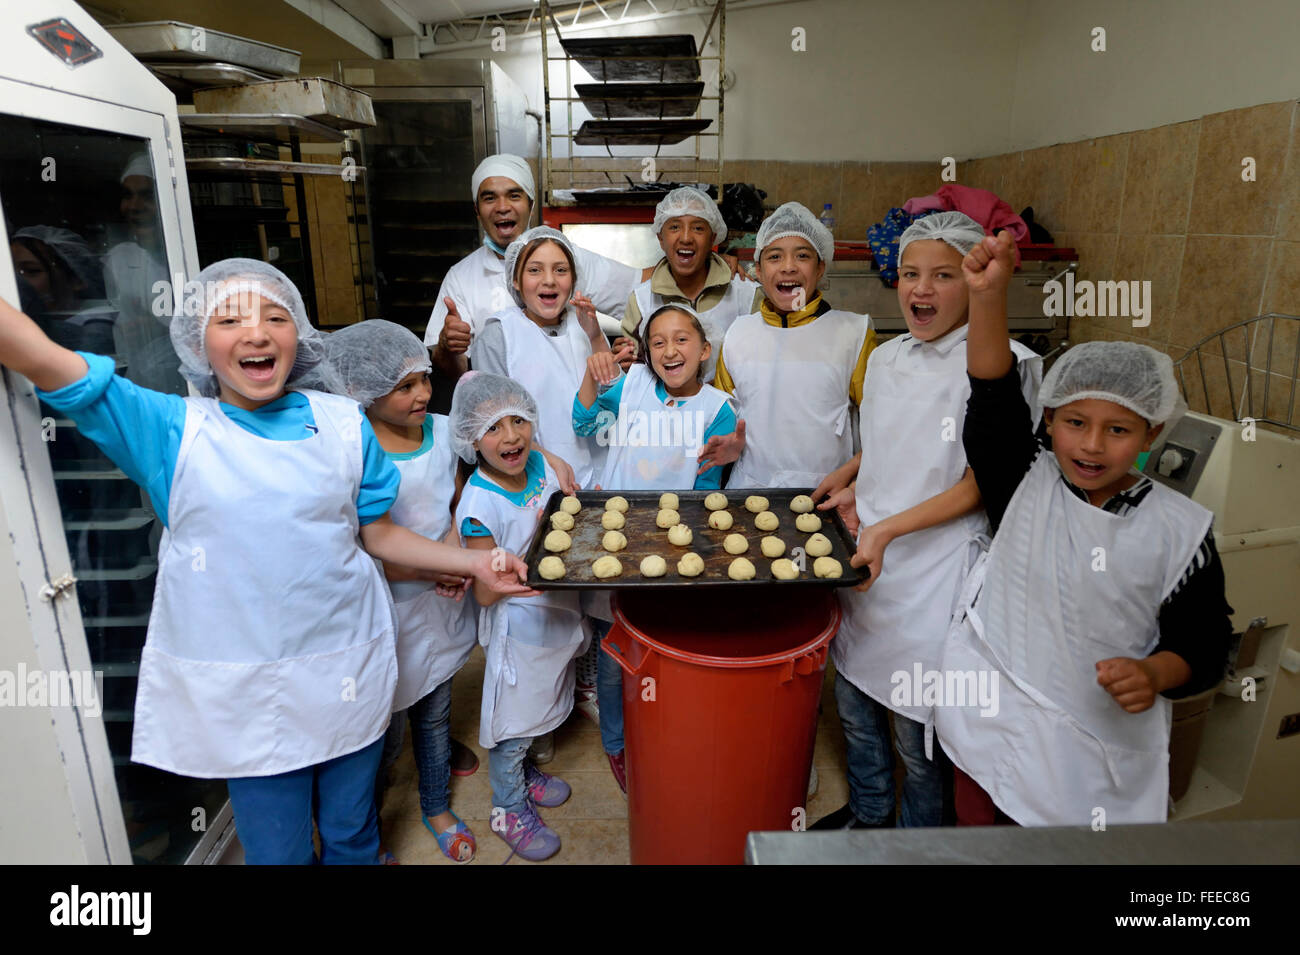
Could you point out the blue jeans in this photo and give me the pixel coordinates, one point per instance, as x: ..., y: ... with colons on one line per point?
x: 609, y: 693
x: 430, y: 718
x: 871, y: 762
x: 273, y: 814
x: 506, y: 773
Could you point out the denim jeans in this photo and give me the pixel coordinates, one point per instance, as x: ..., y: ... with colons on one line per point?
x: 273, y: 814
x: 609, y: 693
x: 430, y: 718
x: 871, y: 762
x: 506, y: 773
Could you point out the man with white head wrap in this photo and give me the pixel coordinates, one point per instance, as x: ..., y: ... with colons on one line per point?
x: 688, y: 224
x: 1101, y: 597
x: 504, y: 195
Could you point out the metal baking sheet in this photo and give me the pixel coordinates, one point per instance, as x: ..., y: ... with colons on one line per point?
x: 171, y: 40
x: 263, y: 127
x: 633, y: 100
x: 318, y: 99
x: 644, y: 538
x: 638, y: 132
x: 672, y: 58
x: 203, y: 75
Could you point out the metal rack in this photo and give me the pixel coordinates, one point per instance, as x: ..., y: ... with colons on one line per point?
x: 648, y: 92
x: 1256, y: 333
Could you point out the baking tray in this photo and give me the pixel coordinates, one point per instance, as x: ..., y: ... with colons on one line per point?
x: 644, y: 538
x: 172, y: 40
x: 636, y: 100
x: 321, y: 100
x: 672, y: 58
x: 638, y: 132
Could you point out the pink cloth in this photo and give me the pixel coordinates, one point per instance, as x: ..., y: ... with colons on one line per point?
x: 980, y: 204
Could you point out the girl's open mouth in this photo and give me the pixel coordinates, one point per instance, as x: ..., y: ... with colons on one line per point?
x: 512, y: 458
x: 672, y: 368
x: 258, y: 367
x: 549, y: 299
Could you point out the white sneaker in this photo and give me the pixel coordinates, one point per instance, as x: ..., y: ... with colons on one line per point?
x: 812, y: 783
x: 542, y: 749
x: 584, y: 701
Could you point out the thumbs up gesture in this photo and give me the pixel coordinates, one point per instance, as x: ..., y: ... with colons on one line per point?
x: 455, y: 336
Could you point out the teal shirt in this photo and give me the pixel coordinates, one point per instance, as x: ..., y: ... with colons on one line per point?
x: 535, y: 474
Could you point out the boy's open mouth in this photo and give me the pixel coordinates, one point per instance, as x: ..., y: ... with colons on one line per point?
x: 258, y: 367
x: 1088, y: 468
x: 923, y: 313
x: 685, y: 256
x: 788, y: 288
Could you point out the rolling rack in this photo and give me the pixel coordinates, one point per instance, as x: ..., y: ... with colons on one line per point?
x: 1272, y: 334
x: 648, y: 91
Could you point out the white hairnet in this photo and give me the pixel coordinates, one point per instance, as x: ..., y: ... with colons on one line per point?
x: 793, y: 218
x: 516, y: 249
x: 955, y: 229
x: 370, y: 358
x: 1135, y: 376
x: 72, y: 249
x: 504, y: 164
x: 480, y: 401
x: 685, y: 201
x: 138, y: 165
x: 236, y: 278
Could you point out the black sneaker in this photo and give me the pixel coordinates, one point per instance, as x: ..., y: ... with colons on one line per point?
x: 843, y: 818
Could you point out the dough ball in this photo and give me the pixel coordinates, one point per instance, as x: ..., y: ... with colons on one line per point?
x: 617, y: 503
x: 755, y: 504
x: 551, y: 568
x: 740, y: 569
x: 612, y: 521
x: 818, y: 545
x: 720, y: 520
x: 735, y: 544
x: 557, y: 541
x: 654, y: 566
x: 715, y: 501
x: 772, y: 547
x: 808, y: 523
x: 680, y: 535
x: 561, y: 521
x: 803, y: 504
x: 766, y: 521
x: 607, y: 566
x: 827, y: 567
x: 784, y: 569
x: 668, y: 501
x: 667, y: 518
x: 691, y: 565
x: 614, y: 541
x: 570, y: 505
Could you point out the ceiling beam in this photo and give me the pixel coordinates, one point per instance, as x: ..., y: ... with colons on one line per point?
x: 343, y: 24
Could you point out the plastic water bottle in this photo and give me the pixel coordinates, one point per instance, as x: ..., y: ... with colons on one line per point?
x: 827, y: 217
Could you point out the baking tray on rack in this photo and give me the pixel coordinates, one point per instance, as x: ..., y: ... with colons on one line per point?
x: 640, y: 100
x: 638, y: 132
x: 671, y: 58
x: 645, y: 538
x: 171, y: 40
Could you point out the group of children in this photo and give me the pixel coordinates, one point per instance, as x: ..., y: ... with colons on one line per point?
x: 380, y: 543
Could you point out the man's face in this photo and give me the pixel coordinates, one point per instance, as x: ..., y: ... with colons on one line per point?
x: 503, y: 209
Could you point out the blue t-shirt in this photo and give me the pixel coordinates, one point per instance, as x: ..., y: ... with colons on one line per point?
x: 585, y: 422
x: 140, y: 431
x: 535, y: 474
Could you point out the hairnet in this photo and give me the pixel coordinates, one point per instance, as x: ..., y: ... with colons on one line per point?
x: 504, y: 164
x: 479, y: 401
x: 1135, y: 376
x: 516, y: 249
x: 685, y: 201
x: 795, y: 219
x: 955, y: 229
x: 233, y: 279
x: 138, y: 165
x: 73, y: 251
x: 370, y: 358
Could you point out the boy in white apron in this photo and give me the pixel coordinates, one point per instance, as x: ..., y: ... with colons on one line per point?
x: 688, y: 224
x: 1101, y: 597
x: 269, y: 659
x: 530, y: 643
x: 654, y: 420
x: 914, y: 495
x: 794, y: 367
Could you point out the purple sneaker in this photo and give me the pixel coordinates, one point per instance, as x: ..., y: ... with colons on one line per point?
x: 527, y: 836
x: 544, y: 789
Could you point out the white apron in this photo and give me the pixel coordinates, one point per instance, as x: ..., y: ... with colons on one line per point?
x: 913, y: 408
x: 530, y: 642
x: 792, y: 390
x: 270, y: 643
x: 552, y: 367
x: 738, y: 301
x: 435, y: 634
x: 1040, y: 612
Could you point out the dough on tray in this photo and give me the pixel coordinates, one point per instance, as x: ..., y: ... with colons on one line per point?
x: 570, y: 505
x: 766, y: 521
x: 691, y: 565
x: 653, y: 566
x: 615, y: 541
x: 669, y: 501
x: 808, y: 523
x: 550, y: 568
x: 784, y: 569
x: 721, y: 520
x: 755, y: 504
x: 715, y: 501
x: 667, y: 518
x: 557, y: 541
x: 802, y: 504
x: 562, y: 521
x: 818, y: 545
x: 735, y: 544
x: 827, y: 567
x: 612, y: 520
x: 607, y: 566
x: 679, y: 535
x: 772, y: 547
x: 617, y: 503
x: 740, y: 569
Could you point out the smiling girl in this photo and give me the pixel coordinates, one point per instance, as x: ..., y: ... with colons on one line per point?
x: 269, y: 658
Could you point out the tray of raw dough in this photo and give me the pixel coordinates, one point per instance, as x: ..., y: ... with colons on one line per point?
x: 739, y: 538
